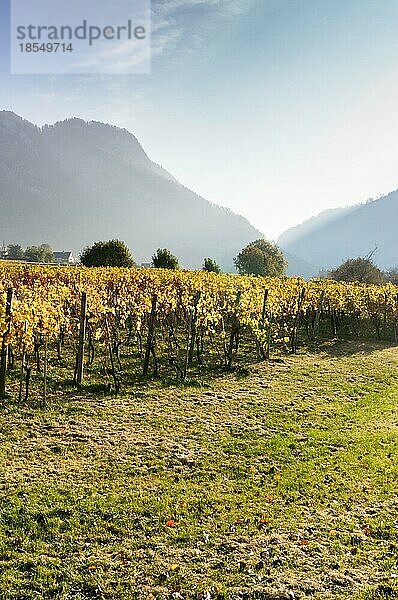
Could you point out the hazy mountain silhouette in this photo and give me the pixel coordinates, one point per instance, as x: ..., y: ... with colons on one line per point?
x: 335, y: 235
x: 299, y: 267
x: 74, y: 182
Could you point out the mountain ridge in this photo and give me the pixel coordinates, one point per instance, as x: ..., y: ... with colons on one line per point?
x: 338, y: 234
x: 75, y: 182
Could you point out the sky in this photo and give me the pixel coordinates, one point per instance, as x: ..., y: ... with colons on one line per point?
x: 277, y: 109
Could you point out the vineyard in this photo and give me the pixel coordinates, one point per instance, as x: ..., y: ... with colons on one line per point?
x: 126, y: 323
x: 249, y: 454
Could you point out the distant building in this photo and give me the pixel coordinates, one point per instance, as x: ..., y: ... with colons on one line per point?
x: 64, y: 258
x: 146, y: 265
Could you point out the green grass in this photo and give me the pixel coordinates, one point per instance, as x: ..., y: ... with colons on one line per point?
x: 280, y: 482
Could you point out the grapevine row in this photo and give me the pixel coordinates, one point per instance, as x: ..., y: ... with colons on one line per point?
x: 151, y: 320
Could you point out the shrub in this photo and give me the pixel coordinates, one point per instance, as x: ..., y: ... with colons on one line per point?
x: 114, y: 253
x: 362, y: 270
x: 164, y: 259
x: 40, y: 254
x: 211, y: 266
x: 261, y: 258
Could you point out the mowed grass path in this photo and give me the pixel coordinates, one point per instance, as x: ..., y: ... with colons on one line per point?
x: 278, y: 484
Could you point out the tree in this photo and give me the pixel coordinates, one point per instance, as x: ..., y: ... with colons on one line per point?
x: 261, y: 258
x: 32, y: 254
x: 46, y: 253
x: 211, y: 266
x: 362, y: 270
x: 15, y: 252
x: 41, y: 254
x: 164, y: 259
x: 113, y: 253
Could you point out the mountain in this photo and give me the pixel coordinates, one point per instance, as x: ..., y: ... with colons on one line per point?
x: 77, y: 182
x: 299, y: 267
x: 335, y: 235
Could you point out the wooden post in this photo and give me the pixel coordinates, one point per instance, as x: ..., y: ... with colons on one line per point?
x: 261, y: 343
x: 192, y: 334
x: 269, y: 337
x: 334, y: 322
x: 265, y: 299
x: 45, y: 362
x: 114, y: 375
x: 188, y: 347
x: 151, y: 330
x: 82, y: 337
x: 318, y: 314
x: 296, y: 321
x: 23, y: 359
x: 235, y: 328
x: 4, y: 344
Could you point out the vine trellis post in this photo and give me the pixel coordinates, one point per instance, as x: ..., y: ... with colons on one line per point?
x: 82, y: 338
x: 151, y: 334
x: 4, y: 343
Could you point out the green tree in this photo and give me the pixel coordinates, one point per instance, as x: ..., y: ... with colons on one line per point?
x: 15, y: 252
x: 46, y: 253
x: 261, y: 258
x: 211, y: 266
x: 32, y: 254
x: 164, y: 259
x: 113, y: 253
x: 362, y: 270
x: 41, y: 254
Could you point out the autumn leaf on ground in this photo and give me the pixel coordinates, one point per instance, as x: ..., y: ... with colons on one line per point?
x: 171, y: 523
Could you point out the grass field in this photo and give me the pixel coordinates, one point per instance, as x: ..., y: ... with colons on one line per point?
x: 279, y: 482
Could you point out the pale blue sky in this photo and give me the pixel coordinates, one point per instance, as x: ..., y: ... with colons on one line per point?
x: 277, y: 109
